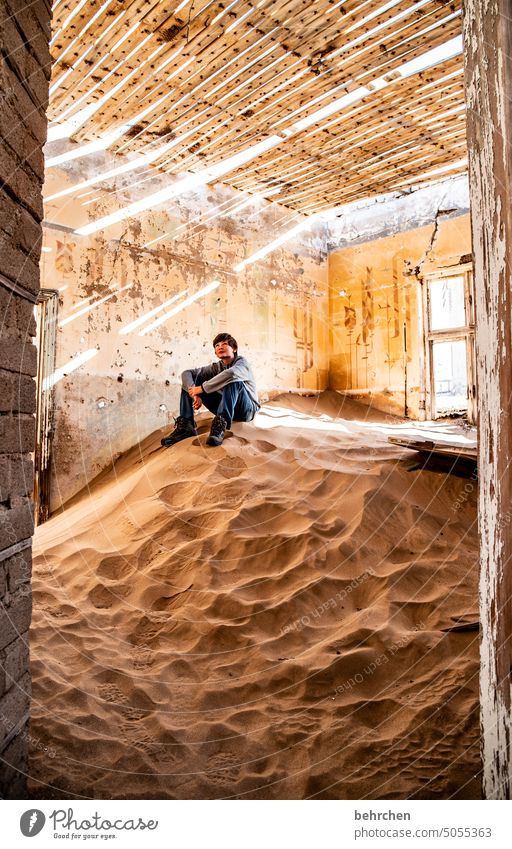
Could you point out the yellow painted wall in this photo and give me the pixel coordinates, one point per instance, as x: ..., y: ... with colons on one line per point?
x: 375, y: 312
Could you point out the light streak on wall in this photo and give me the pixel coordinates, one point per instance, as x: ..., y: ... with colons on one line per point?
x: 182, y: 306
x: 93, y: 306
x: 138, y: 321
x: 72, y: 365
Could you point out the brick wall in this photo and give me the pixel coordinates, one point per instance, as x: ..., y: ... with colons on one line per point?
x: 24, y: 74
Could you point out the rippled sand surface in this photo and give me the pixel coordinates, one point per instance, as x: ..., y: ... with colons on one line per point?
x: 291, y: 615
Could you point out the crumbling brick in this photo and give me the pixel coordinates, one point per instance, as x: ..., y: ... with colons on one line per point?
x: 19, y: 355
x: 17, y: 392
x: 16, y: 475
x: 20, y: 226
x: 14, y: 661
x: 19, y: 179
x: 19, y: 571
x: 17, y: 433
x: 14, y: 618
x: 14, y: 703
x: 14, y: 767
x: 16, y: 519
x: 33, y: 23
x: 17, y: 317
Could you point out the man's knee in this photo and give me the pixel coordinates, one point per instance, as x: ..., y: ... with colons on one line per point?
x: 235, y: 386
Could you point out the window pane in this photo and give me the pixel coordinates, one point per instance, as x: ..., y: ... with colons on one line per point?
x: 450, y: 376
x: 447, y: 303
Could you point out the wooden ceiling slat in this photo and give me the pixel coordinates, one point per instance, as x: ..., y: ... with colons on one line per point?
x: 337, y: 181
x: 368, y: 122
x: 139, y: 11
x: 260, y: 116
x: 106, y: 68
x: 408, y: 51
x: 100, y: 62
x: 369, y: 67
x: 134, y: 10
x: 72, y: 67
x: 65, y: 38
x: 195, y: 75
x: 369, y: 112
x: 342, y: 49
x: 305, y: 98
x: 329, y: 33
x: 267, y: 165
x: 341, y: 166
x: 80, y: 18
x: 349, y: 189
x: 225, y: 76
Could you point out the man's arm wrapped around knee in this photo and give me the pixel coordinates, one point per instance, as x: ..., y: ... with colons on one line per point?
x: 240, y: 370
x: 197, y: 376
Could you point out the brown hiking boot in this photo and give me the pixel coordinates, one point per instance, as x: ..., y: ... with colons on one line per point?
x: 185, y: 428
x: 217, y: 429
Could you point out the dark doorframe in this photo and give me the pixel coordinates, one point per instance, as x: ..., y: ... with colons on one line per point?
x: 47, y: 309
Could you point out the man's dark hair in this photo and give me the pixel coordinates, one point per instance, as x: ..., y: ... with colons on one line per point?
x: 226, y: 337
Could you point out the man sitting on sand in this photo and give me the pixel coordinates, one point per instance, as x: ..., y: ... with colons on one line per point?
x: 227, y: 388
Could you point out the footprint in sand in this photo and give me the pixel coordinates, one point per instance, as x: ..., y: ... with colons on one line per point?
x: 62, y: 611
x: 127, y: 524
x: 222, y: 768
x: 216, y: 494
x: 111, y: 693
x: 114, y: 568
x: 143, y: 657
x: 103, y: 597
x: 179, y: 494
x: 304, y: 725
x: 147, y: 630
x: 265, y: 519
x: 194, y: 525
x: 133, y: 714
x: 264, y: 447
x: 230, y: 467
x: 158, y: 752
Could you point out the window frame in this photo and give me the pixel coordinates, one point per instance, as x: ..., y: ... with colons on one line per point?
x: 465, y: 332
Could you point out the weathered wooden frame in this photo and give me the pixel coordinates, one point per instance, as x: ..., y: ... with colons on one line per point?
x: 488, y: 80
x: 465, y: 332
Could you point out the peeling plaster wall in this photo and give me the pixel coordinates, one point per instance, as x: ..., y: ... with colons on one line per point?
x: 276, y: 309
x: 375, y: 299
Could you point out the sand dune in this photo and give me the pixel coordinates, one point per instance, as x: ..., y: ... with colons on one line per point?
x: 290, y: 615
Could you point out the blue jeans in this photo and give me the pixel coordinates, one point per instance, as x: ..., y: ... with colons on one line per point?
x: 233, y: 403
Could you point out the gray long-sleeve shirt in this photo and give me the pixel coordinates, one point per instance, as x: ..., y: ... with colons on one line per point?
x: 216, y: 376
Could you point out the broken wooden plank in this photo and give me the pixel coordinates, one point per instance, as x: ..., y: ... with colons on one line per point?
x: 430, y: 446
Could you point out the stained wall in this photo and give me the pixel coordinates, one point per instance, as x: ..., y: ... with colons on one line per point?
x: 375, y: 296
x: 276, y: 308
